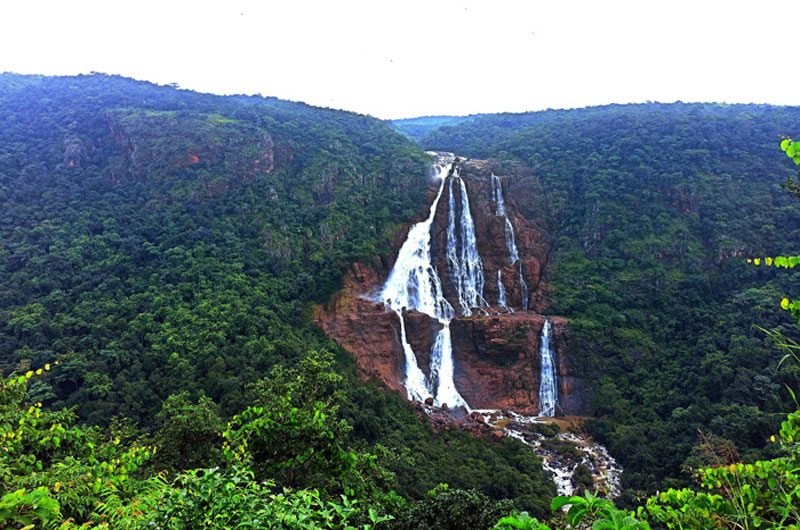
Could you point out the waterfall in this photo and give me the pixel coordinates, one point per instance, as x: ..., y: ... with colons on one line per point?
x: 511, y: 244
x: 501, y: 291
x: 415, y: 284
x: 416, y: 389
x: 548, y: 391
x: 442, y: 369
x: 464, y: 262
x: 523, y: 288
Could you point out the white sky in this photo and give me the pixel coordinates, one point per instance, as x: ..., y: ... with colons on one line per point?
x: 406, y: 58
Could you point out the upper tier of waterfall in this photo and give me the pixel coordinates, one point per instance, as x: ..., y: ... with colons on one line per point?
x: 463, y: 259
x: 413, y: 282
x: 511, y: 243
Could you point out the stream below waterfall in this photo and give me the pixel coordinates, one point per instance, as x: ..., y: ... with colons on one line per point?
x: 561, y: 454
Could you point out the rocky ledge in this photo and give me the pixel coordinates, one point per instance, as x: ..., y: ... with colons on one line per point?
x: 496, y: 352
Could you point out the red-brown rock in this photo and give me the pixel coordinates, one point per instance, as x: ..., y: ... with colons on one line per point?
x: 496, y: 357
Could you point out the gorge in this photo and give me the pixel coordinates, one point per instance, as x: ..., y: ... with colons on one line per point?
x: 430, y: 332
x: 424, y: 325
x: 220, y: 270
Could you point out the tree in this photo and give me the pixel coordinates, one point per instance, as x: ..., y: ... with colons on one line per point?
x: 191, y: 434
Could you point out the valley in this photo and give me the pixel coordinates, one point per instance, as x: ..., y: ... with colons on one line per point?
x: 206, y: 292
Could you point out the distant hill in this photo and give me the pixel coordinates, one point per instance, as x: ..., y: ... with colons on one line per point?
x: 656, y: 209
x: 418, y: 128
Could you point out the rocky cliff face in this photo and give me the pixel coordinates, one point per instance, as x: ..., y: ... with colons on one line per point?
x: 496, y: 355
x: 533, y: 246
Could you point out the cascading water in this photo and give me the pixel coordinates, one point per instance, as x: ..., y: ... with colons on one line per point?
x: 414, y: 284
x: 523, y: 288
x: 511, y: 244
x: 547, y: 382
x: 416, y: 387
x: 442, y: 369
x: 463, y: 260
x: 501, y: 291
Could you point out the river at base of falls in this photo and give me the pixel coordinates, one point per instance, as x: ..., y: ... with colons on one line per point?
x: 557, y: 458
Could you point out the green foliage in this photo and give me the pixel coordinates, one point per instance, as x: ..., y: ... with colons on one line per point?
x: 26, y: 509
x: 64, y: 468
x: 216, y: 499
x: 590, y: 506
x: 792, y: 150
x: 521, y: 521
x: 191, y: 433
x: 547, y: 430
x: 582, y: 478
x: 588, y: 511
x: 656, y: 208
x: 762, y: 494
x: 292, y: 433
x: 57, y: 472
x: 452, y: 509
x: 210, y: 499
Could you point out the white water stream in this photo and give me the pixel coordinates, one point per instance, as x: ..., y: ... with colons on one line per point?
x: 558, y: 453
x: 548, y: 389
x: 511, y: 243
x: 464, y: 262
x: 414, y: 284
x: 501, y: 292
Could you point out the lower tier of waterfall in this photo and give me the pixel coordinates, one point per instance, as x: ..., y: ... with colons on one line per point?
x: 548, y: 390
x: 442, y: 369
x: 415, y: 383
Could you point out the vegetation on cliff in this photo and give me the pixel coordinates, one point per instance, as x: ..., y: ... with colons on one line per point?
x: 160, y: 251
x: 657, y: 208
x: 165, y: 247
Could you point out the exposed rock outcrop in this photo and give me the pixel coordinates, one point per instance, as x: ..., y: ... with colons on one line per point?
x: 497, y: 359
x: 74, y: 151
x: 496, y: 356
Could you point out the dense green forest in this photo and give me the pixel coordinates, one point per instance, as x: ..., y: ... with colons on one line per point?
x: 164, y: 247
x: 657, y: 208
x: 160, y: 252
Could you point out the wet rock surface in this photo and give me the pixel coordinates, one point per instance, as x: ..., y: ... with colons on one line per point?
x: 495, y: 351
x: 566, y: 454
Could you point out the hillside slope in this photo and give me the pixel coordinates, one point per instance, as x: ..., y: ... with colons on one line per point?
x: 160, y: 242
x: 419, y: 128
x: 657, y: 208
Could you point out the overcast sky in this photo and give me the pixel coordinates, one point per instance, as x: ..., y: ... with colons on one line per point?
x: 410, y: 58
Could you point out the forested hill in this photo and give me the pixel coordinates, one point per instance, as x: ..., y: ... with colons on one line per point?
x: 418, y: 128
x: 657, y: 208
x: 165, y: 247
x: 171, y: 239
